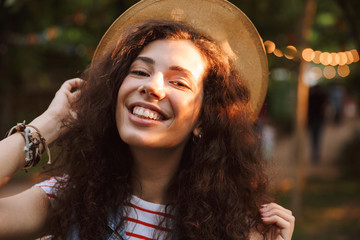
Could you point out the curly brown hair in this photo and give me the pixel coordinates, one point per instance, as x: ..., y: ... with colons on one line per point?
x: 220, y: 183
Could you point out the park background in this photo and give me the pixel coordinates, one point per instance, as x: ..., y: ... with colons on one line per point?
x: 308, y: 43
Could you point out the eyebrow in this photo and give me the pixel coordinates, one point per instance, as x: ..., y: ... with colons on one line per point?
x: 173, y: 68
x: 146, y: 59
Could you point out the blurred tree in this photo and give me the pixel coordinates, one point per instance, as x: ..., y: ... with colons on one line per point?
x: 44, y: 42
x: 336, y: 28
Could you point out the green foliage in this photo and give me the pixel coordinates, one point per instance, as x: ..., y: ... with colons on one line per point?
x: 44, y: 42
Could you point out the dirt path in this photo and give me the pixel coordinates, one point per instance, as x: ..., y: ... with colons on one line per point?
x: 334, y: 138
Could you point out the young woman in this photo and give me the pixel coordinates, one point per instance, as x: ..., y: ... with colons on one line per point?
x: 158, y: 142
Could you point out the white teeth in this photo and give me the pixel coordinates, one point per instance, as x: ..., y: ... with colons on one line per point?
x: 146, y: 113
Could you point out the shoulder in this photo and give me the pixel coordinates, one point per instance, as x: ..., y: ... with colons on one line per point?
x: 51, y: 186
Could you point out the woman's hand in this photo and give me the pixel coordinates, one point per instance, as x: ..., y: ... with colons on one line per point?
x: 282, y: 219
x: 60, y: 106
x: 50, y: 122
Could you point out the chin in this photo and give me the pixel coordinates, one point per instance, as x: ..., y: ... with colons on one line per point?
x: 136, y: 140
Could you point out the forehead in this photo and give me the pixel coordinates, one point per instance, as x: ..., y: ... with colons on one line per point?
x: 181, y: 53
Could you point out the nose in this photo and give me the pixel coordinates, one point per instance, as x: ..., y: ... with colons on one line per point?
x: 153, y: 87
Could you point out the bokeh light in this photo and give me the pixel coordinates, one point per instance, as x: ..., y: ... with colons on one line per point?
x: 269, y: 46
x: 312, y: 76
x: 290, y: 52
x: 324, y: 58
x: 316, y: 72
x: 343, y: 58
x: 308, y: 54
x: 343, y: 70
x: 329, y: 72
x: 355, y: 55
x: 317, y: 57
x: 334, y: 59
x: 278, y: 53
x: 350, y: 57
x: 52, y: 33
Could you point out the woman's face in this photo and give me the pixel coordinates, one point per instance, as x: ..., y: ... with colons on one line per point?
x: 160, y: 99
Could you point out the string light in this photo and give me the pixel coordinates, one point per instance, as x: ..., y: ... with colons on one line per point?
x: 335, y: 59
x: 270, y: 46
x: 343, y: 58
x: 317, y: 57
x: 308, y: 54
x: 277, y: 52
x: 335, y: 63
x: 290, y: 52
x: 355, y: 55
x: 324, y: 60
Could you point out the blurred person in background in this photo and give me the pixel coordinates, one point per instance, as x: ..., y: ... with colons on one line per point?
x: 316, y: 120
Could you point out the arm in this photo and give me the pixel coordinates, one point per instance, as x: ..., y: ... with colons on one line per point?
x: 25, y: 214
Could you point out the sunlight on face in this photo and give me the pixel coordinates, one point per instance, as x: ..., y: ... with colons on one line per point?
x: 160, y: 98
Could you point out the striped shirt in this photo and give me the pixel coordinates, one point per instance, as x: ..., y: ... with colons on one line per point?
x: 142, y: 221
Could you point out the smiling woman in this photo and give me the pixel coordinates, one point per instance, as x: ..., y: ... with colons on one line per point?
x: 165, y: 80
x: 158, y: 142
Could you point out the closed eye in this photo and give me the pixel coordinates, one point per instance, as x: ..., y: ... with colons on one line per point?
x: 180, y: 84
x: 139, y: 73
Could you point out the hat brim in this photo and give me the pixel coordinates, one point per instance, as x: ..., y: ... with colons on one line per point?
x: 219, y: 20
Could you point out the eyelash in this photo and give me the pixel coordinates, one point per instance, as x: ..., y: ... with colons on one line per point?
x: 176, y: 83
x: 139, y: 73
x: 179, y: 84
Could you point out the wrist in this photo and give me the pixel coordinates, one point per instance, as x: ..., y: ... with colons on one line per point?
x: 49, y: 126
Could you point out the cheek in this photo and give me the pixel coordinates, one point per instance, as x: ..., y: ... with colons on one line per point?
x: 125, y: 89
x: 120, y: 105
x: 188, y: 109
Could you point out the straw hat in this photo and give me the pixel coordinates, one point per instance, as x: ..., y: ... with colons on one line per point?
x: 218, y: 20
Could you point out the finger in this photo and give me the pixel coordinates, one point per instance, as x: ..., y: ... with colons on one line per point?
x: 68, y: 86
x: 278, y: 212
x: 72, y: 97
x: 275, y: 206
x: 72, y: 83
x: 273, y: 209
x: 279, y: 221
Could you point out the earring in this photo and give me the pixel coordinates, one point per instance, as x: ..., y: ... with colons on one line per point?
x: 196, y: 139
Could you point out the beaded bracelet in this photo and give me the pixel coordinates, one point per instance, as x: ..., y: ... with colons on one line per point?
x: 32, y: 144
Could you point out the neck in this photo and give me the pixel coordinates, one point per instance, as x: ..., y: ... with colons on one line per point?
x: 153, y: 170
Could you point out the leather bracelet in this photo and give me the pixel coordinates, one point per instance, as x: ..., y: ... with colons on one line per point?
x: 32, y: 144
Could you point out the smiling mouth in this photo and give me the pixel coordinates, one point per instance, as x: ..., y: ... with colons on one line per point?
x: 146, y: 113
